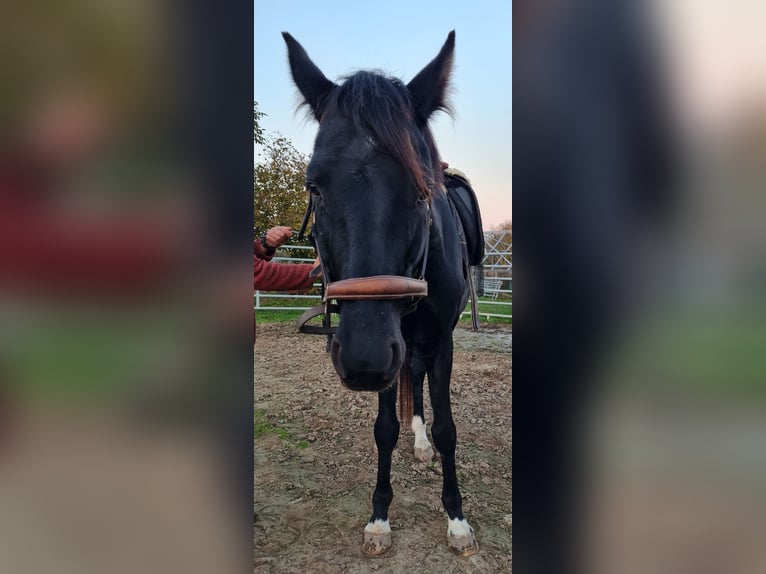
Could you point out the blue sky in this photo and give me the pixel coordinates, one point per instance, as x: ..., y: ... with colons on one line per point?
x: 400, y: 38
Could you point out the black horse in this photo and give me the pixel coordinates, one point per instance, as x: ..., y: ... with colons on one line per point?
x: 383, y: 229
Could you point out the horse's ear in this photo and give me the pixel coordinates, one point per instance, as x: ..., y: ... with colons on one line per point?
x: 309, y: 79
x: 429, y: 88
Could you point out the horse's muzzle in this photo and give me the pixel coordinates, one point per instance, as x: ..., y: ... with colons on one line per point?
x: 368, y: 383
x: 366, y: 362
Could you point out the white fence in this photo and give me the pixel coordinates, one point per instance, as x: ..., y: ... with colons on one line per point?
x: 498, y: 269
x: 262, y: 297
x: 498, y: 276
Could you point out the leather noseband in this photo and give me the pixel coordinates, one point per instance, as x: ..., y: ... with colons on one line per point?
x: 376, y: 287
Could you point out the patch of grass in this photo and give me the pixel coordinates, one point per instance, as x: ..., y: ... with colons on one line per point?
x: 279, y: 316
x: 276, y: 316
x: 486, y: 307
x: 270, y: 316
x: 262, y: 426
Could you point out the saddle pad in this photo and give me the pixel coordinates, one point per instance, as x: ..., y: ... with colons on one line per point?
x: 463, y: 198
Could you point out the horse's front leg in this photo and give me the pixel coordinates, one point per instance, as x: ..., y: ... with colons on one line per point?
x: 377, y: 533
x: 460, y: 536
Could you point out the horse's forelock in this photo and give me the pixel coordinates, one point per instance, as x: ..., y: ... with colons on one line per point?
x: 381, y: 106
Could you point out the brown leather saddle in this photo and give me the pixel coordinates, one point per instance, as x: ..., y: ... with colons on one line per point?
x: 463, y: 200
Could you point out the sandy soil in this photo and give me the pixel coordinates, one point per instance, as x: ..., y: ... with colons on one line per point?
x: 315, y: 463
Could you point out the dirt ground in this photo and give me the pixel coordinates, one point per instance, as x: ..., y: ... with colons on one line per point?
x: 315, y: 463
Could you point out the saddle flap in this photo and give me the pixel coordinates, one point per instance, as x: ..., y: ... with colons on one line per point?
x: 463, y: 199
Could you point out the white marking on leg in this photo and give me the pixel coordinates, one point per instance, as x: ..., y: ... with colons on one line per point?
x: 460, y: 538
x: 419, y: 428
x: 458, y: 527
x: 378, y: 526
x: 423, y: 450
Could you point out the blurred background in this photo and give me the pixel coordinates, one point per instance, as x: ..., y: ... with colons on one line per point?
x: 679, y: 435
x: 639, y: 180
x: 125, y: 294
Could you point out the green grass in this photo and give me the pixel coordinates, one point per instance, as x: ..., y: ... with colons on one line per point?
x: 275, y: 316
x: 268, y: 316
x: 262, y: 426
x: 489, y: 308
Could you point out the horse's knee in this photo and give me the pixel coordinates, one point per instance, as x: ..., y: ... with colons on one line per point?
x: 386, y: 434
x: 444, y: 435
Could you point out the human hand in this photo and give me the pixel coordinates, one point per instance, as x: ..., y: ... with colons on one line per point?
x: 316, y: 268
x: 277, y: 236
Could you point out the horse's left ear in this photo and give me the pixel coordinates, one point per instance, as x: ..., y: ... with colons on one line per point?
x: 309, y: 79
x: 429, y: 88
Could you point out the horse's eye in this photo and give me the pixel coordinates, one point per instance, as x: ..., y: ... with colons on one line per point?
x: 313, y: 190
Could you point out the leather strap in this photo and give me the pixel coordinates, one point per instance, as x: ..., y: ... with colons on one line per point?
x: 315, y: 311
x: 306, y: 216
x: 376, y: 287
x: 474, y: 302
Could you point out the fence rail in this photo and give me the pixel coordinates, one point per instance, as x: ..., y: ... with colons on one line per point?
x: 498, y: 269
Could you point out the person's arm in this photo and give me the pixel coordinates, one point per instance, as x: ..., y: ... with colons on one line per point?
x: 262, y: 252
x: 281, y: 276
x: 264, y: 247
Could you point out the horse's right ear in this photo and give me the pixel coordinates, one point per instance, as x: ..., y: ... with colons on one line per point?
x: 311, y: 82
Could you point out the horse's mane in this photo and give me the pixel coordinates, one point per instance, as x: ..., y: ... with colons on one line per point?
x: 381, y: 106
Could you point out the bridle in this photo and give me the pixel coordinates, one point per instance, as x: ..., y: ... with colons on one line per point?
x: 376, y: 287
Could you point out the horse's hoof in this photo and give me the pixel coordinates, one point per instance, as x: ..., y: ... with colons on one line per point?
x: 461, y: 539
x: 464, y: 545
x: 375, y: 544
x: 377, y: 538
x: 424, y: 454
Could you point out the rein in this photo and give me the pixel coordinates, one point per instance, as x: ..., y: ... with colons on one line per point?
x: 376, y: 287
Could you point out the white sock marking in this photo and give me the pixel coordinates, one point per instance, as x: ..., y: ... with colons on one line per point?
x: 378, y: 527
x: 458, y: 527
x: 419, y: 428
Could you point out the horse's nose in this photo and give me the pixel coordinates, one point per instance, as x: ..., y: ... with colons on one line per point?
x: 365, y: 362
x: 372, y: 368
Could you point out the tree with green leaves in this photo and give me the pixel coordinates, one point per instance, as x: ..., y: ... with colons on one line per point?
x: 279, y: 185
x: 278, y: 181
